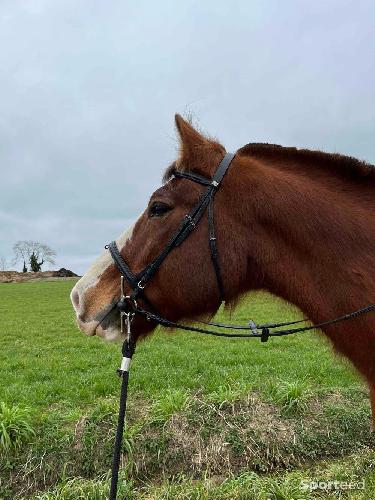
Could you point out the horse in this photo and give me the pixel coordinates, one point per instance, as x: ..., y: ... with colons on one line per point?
x: 297, y: 223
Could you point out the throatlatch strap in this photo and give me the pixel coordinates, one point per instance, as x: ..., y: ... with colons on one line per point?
x: 213, y: 247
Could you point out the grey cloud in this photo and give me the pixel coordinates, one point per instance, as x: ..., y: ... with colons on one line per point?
x: 88, y: 90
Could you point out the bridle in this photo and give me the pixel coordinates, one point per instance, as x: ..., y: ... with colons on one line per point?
x: 128, y: 303
x: 138, y: 282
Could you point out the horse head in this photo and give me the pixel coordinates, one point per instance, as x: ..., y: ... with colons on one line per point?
x: 185, y: 285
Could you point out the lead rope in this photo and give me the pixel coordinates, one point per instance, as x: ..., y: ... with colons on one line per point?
x: 128, y: 348
x: 128, y: 351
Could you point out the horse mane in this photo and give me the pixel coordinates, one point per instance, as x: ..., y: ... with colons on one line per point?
x: 345, y: 166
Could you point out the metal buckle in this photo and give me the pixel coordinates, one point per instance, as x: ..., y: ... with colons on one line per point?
x: 191, y: 223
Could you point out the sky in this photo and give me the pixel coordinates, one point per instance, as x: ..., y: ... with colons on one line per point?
x: 89, y: 89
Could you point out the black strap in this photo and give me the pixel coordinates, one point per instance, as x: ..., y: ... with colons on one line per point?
x: 128, y: 349
x: 207, y: 201
x: 250, y: 326
x: 121, y: 264
x: 266, y: 330
x: 213, y: 248
x: 222, y: 169
x: 193, y: 177
x: 216, y: 179
x: 194, y: 216
x: 132, y: 279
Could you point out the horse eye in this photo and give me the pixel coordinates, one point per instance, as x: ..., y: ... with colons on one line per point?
x: 158, y: 209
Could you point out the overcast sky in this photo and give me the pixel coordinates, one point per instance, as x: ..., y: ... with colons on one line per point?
x: 88, y: 90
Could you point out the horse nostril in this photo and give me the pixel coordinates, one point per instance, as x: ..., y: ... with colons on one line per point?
x: 75, y: 299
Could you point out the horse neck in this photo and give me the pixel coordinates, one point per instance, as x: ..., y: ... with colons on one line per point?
x: 310, y: 239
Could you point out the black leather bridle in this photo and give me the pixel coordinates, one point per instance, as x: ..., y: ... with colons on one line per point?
x: 138, y: 282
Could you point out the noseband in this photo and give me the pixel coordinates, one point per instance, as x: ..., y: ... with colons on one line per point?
x: 138, y: 282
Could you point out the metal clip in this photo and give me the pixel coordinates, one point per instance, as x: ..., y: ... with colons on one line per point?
x: 128, y: 345
x: 122, y: 318
x: 253, y: 327
x: 129, y: 319
x: 126, y: 319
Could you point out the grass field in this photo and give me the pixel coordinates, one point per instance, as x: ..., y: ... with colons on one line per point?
x: 208, y: 418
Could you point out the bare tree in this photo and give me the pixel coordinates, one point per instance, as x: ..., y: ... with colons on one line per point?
x: 23, y: 250
x: 3, y: 264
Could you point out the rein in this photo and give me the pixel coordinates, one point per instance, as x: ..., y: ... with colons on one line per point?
x: 128, y: 303
x: 266, y: 329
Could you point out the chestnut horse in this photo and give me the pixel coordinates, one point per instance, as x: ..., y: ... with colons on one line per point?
x: 298, y: 223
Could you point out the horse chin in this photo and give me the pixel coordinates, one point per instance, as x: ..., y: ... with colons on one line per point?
x: 111, y: 333
x: 109, y: 328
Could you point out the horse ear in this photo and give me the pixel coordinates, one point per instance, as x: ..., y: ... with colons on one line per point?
x: 190, y: 139
x: 194, y: 147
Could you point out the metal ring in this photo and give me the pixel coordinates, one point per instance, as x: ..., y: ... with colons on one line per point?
x: 127, y: 305
x: 132, y: 301
x: 141, y: 287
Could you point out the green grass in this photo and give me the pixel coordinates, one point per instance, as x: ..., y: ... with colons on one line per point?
x: 207, y: 416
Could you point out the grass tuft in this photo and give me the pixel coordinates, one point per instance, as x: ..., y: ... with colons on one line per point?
x: 170, y: 402
x: 229, y: 392
x: 87, y: 489
x: 15, y: 427
x: 292, y: 396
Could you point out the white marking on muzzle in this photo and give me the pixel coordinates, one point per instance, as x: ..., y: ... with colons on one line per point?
x: 92, y: 275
